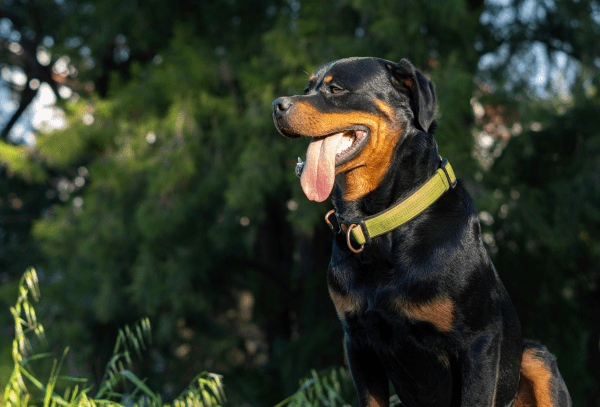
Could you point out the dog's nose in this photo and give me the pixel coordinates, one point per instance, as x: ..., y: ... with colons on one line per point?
x: 281, y: 105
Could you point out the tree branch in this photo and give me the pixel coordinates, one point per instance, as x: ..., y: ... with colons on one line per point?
x: 26, y: 98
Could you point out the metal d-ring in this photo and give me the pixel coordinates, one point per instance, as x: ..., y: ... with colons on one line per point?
x: 362, y: 247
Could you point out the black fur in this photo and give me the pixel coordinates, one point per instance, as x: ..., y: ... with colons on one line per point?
x: 437, y: 255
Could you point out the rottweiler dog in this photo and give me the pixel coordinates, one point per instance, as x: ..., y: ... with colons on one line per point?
x: 420, y: 301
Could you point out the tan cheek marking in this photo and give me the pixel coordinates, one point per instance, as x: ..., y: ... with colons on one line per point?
x: 363, y: 174
x: 386, y: 109
x: 370, y: 166
x: 375, y: 401
x: 343, y: 304
x: 535, y: 386
x: 439, y: 311
x: 376, y: 156
x: 308, y: 121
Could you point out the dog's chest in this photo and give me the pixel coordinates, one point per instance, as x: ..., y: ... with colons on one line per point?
x: 376, y: 311
x: 377, y: 302
x: 408, y: 339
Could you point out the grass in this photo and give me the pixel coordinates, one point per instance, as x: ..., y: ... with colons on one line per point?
x: 330, y: 388
x: 24, y: 389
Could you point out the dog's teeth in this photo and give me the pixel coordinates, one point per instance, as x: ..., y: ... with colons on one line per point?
x: 346, y: 143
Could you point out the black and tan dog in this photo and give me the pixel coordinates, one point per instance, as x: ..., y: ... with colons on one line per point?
x: 420, y: 301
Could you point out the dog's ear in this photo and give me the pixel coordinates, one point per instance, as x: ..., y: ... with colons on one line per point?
x: 422, y: 95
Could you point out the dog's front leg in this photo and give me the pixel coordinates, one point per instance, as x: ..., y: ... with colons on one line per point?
x: 480, y: 367
x: 369, y: 377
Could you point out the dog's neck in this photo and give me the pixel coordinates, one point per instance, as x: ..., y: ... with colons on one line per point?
x: 415, y: 160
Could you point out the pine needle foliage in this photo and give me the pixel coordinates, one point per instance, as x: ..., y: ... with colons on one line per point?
x: 119, y: 387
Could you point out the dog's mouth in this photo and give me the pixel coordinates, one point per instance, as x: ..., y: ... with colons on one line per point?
x: 352, y: 143
x: 317, y: 173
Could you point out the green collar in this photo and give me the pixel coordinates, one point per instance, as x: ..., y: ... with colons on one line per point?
x: 363, y: 230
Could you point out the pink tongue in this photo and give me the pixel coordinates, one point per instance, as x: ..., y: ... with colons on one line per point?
x: 319, y: 168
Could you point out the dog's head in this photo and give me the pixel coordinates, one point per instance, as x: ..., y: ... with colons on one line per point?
x: 355, y: 110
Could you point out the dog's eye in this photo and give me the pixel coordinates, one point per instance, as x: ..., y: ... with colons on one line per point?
x: 335, y: 89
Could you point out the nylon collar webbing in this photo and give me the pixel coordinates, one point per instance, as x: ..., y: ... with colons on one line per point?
x: 363, y: 230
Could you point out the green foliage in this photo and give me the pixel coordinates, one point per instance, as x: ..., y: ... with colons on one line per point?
x: 542, y: 193
x: 23, y: 388
x: 170, y: 195
x: 331, y: 388
x: 17, y: 161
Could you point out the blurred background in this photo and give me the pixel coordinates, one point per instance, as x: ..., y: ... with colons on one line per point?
x: 141, y: 174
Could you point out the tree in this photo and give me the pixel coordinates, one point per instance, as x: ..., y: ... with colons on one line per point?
x: 179, y: 200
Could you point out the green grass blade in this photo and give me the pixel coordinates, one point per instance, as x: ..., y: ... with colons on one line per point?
x: 139, y: 383
x: 51, y: 383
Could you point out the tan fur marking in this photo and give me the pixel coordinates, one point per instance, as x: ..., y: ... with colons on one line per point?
x: 328, y: 79
x: 439, y: 311
x: 535, y: 386
x: 362, y: 174
x: 409, y: 83
x: 375, y: 401
x: 343, y: 304
x: 386, y: 109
